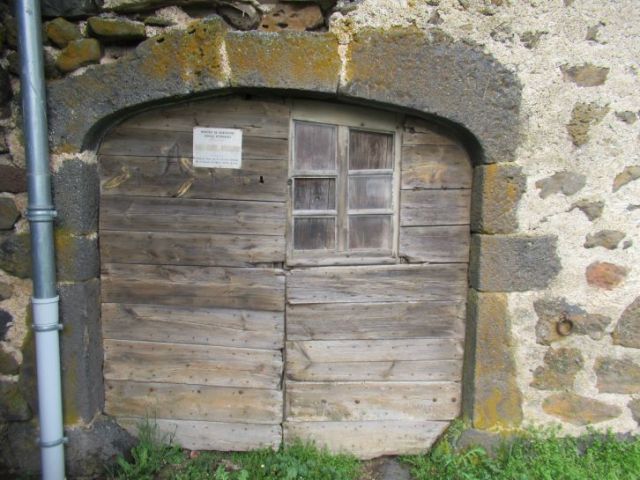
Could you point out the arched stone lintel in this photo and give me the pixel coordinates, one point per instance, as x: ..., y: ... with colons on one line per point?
x: 428, y: 73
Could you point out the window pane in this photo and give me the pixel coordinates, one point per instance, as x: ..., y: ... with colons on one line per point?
x: 370, y: 231
x: 314, y: 233
x: 315, y: 146
x: 369, y: 150
x: 370, y: 192
x: 314, y: 194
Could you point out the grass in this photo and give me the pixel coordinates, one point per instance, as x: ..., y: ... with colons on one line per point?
x: 532, y: 455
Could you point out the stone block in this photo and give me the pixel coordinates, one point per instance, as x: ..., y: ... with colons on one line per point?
x: 605, y: 275
x: 559, y: 370
x: 512, y: 263
x: 13, y: 406
x: 289, y: 60
x: 19, y: 451
x: 583, y: 117
x: 628, y: 175
x: 15, y: 254
x: 9, y: 214
x: 558, y: 319
x: 491, y: 393
x: 617, y: 375
x: 566, y: 183
x: 242, y: 16
x: 627, y: 331
x: 68, y: 8
x: 578, y: 410
x: 433, y: 73
x: 586, y: 75
x: 116, y: 30
x: 497, y: 191
x: 77, y: 257
x: 12, y: 179
x: 79, y: 53
x: 76, y: 195
x: 593, y: 210
x: 61, y: 32
x: 81, y: 351
x: 608, y: 239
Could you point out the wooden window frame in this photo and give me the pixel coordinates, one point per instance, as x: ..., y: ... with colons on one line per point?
x: 345, y: 118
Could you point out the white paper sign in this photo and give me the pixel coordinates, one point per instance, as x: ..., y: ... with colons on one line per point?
x: 217, y: 147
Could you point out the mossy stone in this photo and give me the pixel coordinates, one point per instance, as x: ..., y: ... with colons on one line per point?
x: 61, y: 32
x: 79, y: 53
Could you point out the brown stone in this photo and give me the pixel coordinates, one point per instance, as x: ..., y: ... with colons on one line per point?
x: 629, y: 174
x: 608, y: 239
x: 12, y: 179
x: 559, y: 370
x: 9, y: 214
x: 634, y: 406
x: 605, y: 275
x: 586, y: 75
x: 78, y: 54
x: 61, y: 32
x: 557, y: 318
x: 286, y: 16
x: 617, y: 375
x: 583, y: 117
x: 593, y: 210
x: 579, y: 410
x: 627, y: 331
x: 567, y: 183
x: 8, y: 363
x: 116, y: 30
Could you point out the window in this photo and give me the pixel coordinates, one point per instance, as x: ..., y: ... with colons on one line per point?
x: 343, y: 192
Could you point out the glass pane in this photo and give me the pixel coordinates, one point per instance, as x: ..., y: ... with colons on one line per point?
x: 314, y: 233
x: 370, y: 192
x: 314, y: 194
x: 315, y: 146
x: 368, y: 150
x: 370, y: 231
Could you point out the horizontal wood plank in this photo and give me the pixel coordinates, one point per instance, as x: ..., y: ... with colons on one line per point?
x: 245, y: 288
x: 144, y: 142
x: 435, y: 244
x: 199, y: 435
x: 368, y: 439
x: 189, y: 402
x: 344, y: 321
x: 435, y: 166
x: 198, y: 249
x: 192, y: 364
x: 355, y: 402
x: 434, y: 207
x: 377, y: 284
x: 417, y: 349
x: 182, y: 215
x: 264, y: 180
x: 221, y: 327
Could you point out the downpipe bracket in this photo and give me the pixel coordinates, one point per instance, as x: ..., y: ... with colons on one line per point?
x: 48, y: 307
x: 53, y: 443
x: 41, y: 214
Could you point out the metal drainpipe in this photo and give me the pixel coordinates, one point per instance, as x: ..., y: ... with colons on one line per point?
x: 41, y: 213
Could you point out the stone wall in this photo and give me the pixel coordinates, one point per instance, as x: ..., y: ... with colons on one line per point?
x: 545, y: 90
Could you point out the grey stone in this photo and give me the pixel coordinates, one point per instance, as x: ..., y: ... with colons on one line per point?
x: 77, y: 257
x: 579, y: 410
x: 445, y: 77
x: 627, y: 117
x: 593, y: 210
x: 497, y: 191
x: 627, y: 244
x: 617, y: 375
x: 242, y: 16
x: 5, y: 321
x: 559, y: 370
x: 6, y: 290
x: 557, y: 319
x: 9, y: 214
x: 81, y: 350
x: 567, y: 183
x: 627, y: 331
x: 157, y: 21
x: 531, y: 39
x: 116, y: 30
x: 94, y: 448
x: 593, y: 31
x: 513, y: 263
x: 76, y: 193
x: 19, y: 451
x: 68, y: 8
x: 634, y: 406
x: 12, y: 179
x: 391, y: 469
x: 13, y: 407
x: 583, y: 117
x: 489, y: 441
x: 586, y: 75
x: 61, y: 32
x: 15, y: 254
x: 628, y: 175
x: 608, y: 239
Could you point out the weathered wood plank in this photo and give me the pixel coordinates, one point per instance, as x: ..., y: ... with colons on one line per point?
x: 192, y: 364
x: 256, y: 117
x: 198, y: 435
x: 419, y: 131
x: 189, y: 402
x: 434, y: 207
x: 192, y: 215
x: 335, y: 351
x: 302, y: 369
x: 144, y: 142
x: 435, y: 166
x: 199, y: 249
x: 362, y: 321
x: 377, y: 284
x: 246, y: 288
x: 435, y: 244
x: 368, y: 439
x: 264, y: 180
x: 221, y: 327
x: 355, y: 402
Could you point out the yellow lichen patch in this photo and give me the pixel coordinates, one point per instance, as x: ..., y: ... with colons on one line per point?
x: 65, y: 148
